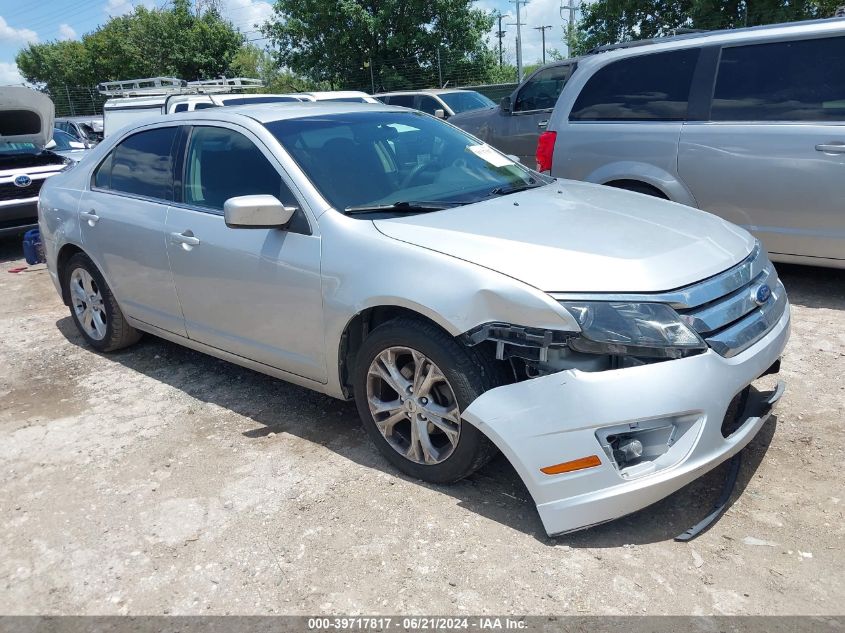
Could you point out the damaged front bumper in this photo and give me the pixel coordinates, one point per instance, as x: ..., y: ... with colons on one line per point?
x: 674, y: 409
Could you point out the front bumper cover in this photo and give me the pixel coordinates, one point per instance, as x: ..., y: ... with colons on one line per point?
x: 560, y: 417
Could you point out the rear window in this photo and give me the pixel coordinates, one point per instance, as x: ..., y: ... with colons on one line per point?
x: 643, y: 88
x: 782, y: 81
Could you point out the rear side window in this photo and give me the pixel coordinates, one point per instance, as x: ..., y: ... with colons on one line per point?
x: 541, y: 91
x: 782, y: 81
x: 141, y: 165
x: 644, y: 88
x: 222, y: 164
x: 181, y: 107
x: 406, y: 101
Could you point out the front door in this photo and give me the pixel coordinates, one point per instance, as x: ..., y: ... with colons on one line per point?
x: 123, y: 219
x: 532, y: 106
x: 255, y: 293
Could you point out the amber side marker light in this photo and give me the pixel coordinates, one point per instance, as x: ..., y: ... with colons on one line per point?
x: 576, y: 464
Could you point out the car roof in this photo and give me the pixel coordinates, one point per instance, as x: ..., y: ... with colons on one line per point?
x: 432, y: 91
x: 269, y: 112
x: 751, y: 33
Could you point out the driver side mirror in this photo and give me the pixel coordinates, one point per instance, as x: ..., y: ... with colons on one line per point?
x: 505, y: 105
x: 256, y: 212
x: 50, y: 144
x: 440, y: 113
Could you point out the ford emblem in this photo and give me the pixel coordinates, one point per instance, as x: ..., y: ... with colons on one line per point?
x: 761, y: 294
x: 23, y: 181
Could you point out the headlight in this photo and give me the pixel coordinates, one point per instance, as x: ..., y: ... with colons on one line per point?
x: 637, y: 329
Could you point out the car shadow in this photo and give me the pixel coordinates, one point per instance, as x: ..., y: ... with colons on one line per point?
x: 495, y: 492
x: 813, y: 287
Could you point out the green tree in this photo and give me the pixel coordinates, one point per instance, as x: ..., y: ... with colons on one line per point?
x: 145, y: 43
x: 386, y: 43
x: 611, y: 21
x: 252, y: 61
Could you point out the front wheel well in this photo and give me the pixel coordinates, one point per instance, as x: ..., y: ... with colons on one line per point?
x: 65, y: 253
x: 637, y: 186
x: 359, y: 328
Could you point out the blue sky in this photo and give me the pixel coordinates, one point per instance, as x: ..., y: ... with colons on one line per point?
x: 23, y: 21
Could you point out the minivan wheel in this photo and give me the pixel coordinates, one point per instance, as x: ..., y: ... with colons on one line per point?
x: 411, y: 383
x: 93, y: 307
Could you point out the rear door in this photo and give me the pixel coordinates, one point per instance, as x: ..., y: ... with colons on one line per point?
x: 123, y: 217
x: 252, y: 292
x: 771, y: 157
x: 531, y: 106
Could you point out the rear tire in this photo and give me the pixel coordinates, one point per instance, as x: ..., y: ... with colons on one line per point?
x: 93, y: 307
x: 411, y: 381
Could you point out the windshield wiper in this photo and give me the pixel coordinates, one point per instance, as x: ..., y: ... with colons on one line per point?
x: 400, y: 207
x: 503, y: 191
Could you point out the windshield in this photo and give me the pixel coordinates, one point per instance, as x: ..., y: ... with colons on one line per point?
x: 346, y: 99
x: 18, y: 148
x: 65, y: 141
x: 463, y: 101
x: 383, y: 158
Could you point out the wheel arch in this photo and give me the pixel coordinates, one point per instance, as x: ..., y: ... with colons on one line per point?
x: 62, y: 258
x: 657, y: 178
x: 359, y: 326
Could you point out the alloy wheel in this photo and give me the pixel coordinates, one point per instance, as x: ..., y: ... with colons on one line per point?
x: 87, y: 302
x: 413, y: 405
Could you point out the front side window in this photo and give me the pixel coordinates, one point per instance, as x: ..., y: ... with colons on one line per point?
x: 141, y: 164
x: 782, y: 81
x: 643, y: 88
x: 541, y: 91
x: 383, y: 158
x: 429, y: 104
x: 222, y: 164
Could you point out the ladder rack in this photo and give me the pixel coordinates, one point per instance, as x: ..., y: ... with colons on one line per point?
x: 151, y: 86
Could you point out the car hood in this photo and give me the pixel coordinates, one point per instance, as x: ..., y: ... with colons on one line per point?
x: 577, y: 237
x: 26, y: 116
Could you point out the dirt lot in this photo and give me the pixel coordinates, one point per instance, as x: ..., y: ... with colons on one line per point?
x: 159, y: 480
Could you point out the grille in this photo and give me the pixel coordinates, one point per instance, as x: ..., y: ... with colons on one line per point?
x: 731, y: 311
x: 10, y: 191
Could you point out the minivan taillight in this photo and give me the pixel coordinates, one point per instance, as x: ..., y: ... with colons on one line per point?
x: 545, y: 150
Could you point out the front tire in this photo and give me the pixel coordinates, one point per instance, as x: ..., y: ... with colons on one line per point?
x: 411, y: 382
x: 93, y: 307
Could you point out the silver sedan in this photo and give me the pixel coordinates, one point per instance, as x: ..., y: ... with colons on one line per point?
x: 597, y: 338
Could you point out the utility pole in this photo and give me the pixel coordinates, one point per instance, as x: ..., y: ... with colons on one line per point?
x: 542, y: 30
x: 519, y: 4
x: 498, y: 15
x: 571, y: 7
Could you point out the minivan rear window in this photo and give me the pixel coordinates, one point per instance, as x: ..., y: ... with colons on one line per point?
x: 643, y: 88
x: 782, y: 81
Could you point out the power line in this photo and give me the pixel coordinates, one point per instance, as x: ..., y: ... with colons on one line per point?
x: 518, y: 4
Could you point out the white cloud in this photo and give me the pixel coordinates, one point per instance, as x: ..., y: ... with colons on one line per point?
x: 9, y: 74
x: 114, y: 8
x: 66, y: 32
x: 16, y: 36
x: 244, y: 14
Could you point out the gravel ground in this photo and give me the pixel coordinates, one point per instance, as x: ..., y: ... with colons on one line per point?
x: 158, y: 480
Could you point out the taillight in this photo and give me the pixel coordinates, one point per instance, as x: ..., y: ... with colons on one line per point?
x: 545, y: 150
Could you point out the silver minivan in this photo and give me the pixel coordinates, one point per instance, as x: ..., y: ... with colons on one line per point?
x: 747, y: 124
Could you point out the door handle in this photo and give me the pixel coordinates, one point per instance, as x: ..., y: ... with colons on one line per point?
x: 831, y: 148
x: 186, y: 238
x: 91, y: 216
x: 543, y: 124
